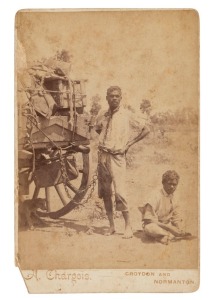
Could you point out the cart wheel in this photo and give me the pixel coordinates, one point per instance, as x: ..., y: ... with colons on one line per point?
x: 77, y: 189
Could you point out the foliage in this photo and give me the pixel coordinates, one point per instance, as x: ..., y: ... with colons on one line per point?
x: 95, y: 105
x: 184, y: 116
x: 145, y: 104
x: 129, y: 107
x: 63, y: 55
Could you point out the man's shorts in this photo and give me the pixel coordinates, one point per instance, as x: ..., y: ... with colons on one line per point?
x: 112, y: 176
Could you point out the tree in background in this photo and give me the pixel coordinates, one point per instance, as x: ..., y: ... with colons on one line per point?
x: 145, y: 106
x: 95, y: 105
x: 95, y: 108
x: 64, y: 55
x: 183, y: 116
x: 129, y: 107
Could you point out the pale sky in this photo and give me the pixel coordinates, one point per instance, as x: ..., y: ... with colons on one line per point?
x: 150, y: 54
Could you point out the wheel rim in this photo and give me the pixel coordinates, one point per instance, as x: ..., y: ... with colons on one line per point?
x: 78, y: 191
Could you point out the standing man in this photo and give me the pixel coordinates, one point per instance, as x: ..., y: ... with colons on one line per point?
x: 114, y: 141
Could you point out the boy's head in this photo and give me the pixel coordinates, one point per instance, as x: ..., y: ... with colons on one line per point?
x: 170, y: 181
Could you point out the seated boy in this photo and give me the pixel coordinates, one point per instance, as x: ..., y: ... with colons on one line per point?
x: 160, y: 213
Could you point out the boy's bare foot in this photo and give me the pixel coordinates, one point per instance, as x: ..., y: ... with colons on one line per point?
x: 164, y: 240
x: 128, y: 234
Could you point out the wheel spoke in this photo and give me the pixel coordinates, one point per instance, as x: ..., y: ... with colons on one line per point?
x: 36, y: 192
x: 77, y: 196
x: 48, y: 198
x: 61, y: 196
x: 73, y: 188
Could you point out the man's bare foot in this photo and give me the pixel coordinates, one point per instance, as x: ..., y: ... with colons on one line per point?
x: 128, y: 234
x: 110, y: 231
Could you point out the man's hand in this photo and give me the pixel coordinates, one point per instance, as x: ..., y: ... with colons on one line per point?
x: 124, y: 150
x: 140, y: 136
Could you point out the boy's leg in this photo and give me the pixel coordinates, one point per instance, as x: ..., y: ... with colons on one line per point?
x: 160, y: 234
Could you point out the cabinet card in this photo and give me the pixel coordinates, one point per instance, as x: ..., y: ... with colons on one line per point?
x: 107, y: 150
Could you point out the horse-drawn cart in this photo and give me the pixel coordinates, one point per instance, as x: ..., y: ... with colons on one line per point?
x: 53, y: 137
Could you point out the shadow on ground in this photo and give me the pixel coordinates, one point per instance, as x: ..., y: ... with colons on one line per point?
x: 62, y: 225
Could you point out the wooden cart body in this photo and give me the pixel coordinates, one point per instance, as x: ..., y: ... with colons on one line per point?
x: 53, y: 130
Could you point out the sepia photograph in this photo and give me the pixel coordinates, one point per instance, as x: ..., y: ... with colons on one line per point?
x: 107, y: 150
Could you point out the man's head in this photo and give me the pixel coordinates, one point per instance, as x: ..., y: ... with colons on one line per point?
x: 170, y: 181
x: 114, y: 96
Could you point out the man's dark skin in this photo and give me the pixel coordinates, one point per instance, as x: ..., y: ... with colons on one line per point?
x: 114, y: 99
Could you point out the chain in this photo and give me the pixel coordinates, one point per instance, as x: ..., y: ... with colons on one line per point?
x: 91, y: 186
x: 65, y: 178
x: 32, y: 119
x: 64, y: 174
x: 93, y: 182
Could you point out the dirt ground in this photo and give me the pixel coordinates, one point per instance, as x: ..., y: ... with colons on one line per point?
x: 63, y: 243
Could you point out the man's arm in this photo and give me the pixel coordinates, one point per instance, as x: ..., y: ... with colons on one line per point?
x: 145, y: 131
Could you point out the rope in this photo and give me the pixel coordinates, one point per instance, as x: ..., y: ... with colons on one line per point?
x: 65, y: 178
x: 28, y: 117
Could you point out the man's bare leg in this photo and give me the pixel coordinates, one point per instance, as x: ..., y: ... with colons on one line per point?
x: 109, y: 212
x: 128, y: 229
x: 111, y: 223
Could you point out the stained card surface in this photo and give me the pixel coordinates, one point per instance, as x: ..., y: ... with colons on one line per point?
x: 107, y: 158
